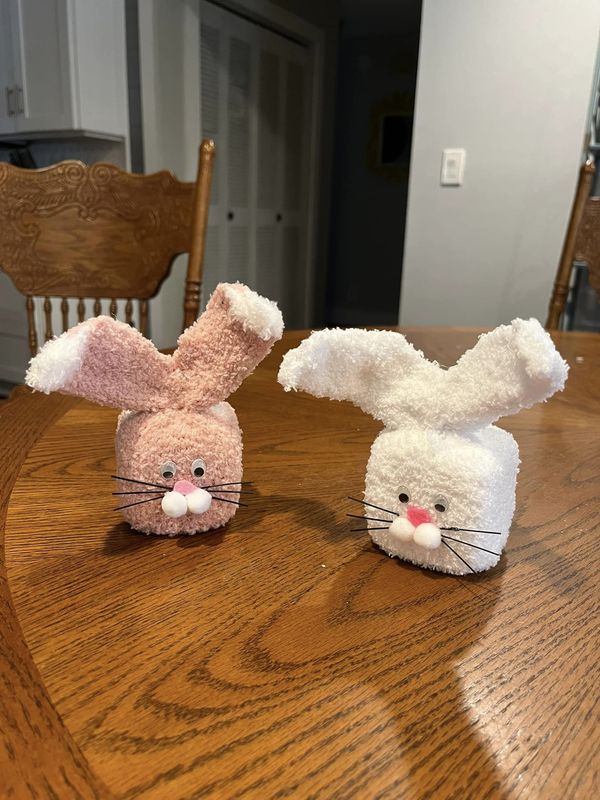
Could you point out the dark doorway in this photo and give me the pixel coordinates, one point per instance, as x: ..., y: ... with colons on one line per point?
x: 376, y: 78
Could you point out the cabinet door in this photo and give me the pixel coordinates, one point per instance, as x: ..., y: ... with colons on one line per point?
x: 8, y: 98
x: 40, y: 37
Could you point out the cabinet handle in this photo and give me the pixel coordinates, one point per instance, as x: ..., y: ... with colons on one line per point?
x: 20, y: 106
x: 10, y: 100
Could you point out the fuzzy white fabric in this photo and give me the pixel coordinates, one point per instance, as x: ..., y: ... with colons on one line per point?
x: 256, y: 313
x: 438, y: 439
x: 174, y: 504
x: 476, y: 472
x: 58, y: 361
x: 223, y: 411
x: 198, y: 501
x: 513, y: 367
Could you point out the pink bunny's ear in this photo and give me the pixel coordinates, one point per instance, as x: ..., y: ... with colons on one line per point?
x: 233, y: 335
x: 105, y: 361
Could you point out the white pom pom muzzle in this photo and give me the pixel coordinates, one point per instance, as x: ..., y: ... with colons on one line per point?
x: 175, y: 504
x: 426, y: 535
x: 198, y: 501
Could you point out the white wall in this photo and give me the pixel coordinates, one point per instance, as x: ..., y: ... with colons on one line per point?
x: 510, y: 81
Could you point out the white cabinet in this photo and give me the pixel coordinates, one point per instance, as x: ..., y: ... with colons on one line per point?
x: 62, y: 68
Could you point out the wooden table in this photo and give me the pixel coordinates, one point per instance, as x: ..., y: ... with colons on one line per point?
x: 285, y: 656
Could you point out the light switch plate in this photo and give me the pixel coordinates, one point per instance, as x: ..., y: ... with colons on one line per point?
x: 453, y: 166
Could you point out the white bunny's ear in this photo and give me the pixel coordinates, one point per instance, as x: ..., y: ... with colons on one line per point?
x: 513, y: 367
x: 105, y: 361
x: 356, y: 365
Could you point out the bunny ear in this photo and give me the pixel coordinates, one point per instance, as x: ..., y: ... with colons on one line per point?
x: 513, y: 367
x: 105, y: 361
x: 233, y: 335
x: 356, y: 365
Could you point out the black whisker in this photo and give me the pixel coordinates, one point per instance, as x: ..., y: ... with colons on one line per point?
x: 469, y: 544
x: 369, y: 529
x: 225, y: 500
x: 471, y: 530
x: 375, y: 519
x: 466, y: 563
x: 227, y: 491
x: 141, y: 491
x: 231, y: 483
x: 144, y: 483
x: 139, y: 502
x: 379, y: 508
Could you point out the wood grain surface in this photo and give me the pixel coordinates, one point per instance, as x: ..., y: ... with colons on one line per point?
x: 285, y: 656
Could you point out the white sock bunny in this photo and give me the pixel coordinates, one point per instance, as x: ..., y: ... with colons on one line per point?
x: 440, y: 482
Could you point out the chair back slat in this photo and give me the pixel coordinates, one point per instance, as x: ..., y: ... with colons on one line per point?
x: 80, y: 310
x: 113, y: 308
x: 143, y: 316
x: 48, y: 334
x: 97, y: 307
x: 30, y: 306
x: 129, y: 311
x: 64, y: 310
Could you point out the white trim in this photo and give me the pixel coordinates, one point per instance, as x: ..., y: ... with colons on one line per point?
x: 57, y: 363
x: 273, y: 17
x: 255, y: 313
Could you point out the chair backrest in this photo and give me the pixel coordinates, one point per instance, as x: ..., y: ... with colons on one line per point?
x: 77, y: 231
x: 582, y: 243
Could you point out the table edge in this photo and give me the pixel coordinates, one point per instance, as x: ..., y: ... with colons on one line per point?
x: 38, y: 756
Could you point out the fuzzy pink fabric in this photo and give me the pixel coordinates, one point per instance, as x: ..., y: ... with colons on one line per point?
x: 145, y: 441
x: 218, y: 352
x: 119, y: 367
x: 175, y: 403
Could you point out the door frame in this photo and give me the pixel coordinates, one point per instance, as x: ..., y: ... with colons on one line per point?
x: 157, y: 155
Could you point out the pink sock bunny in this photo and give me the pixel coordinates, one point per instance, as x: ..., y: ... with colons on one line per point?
x: 179, y: 444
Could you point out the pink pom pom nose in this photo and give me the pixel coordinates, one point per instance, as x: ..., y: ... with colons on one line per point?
x: 184, y: 487
x: 417, y: 515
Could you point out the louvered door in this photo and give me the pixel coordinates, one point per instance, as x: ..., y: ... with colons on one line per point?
x: 254, y: 105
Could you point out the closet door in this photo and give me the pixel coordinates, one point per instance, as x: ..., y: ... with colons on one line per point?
x: 254, y: 101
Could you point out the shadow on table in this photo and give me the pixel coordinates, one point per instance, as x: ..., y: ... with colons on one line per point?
x: 122, y: 539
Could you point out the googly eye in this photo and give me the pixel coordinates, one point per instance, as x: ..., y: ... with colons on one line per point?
x: 198, y: 468
x: 403, y: 495
x: 440, y: 504
x: 168, y: 469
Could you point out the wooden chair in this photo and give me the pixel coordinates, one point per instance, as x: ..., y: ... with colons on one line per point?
x: 582, y: 243
x: 77, y: 231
